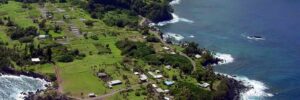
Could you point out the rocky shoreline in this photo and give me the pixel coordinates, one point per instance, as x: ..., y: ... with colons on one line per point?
x: 10, y: 71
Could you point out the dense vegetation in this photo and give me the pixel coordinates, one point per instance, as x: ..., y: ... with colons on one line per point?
x: 142, y: 51
x: 193, y: 49
x: 155, y: 10
x: 134, y: 49
x: 189, y: 91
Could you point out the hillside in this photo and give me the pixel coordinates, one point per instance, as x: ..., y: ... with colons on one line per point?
x: 82, y: 46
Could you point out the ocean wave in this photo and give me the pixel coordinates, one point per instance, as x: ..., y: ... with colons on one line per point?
x: 256, y: 38
x: 11, y: 87
x: 256, y: 91
x: 226, y: 58
x: 175, y: 2
x: 175, y: 19
x: 191, y: 36
x: 175, y: 36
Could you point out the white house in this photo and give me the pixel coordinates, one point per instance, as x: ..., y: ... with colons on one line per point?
x: 143, y: 77
x: 35, y: 59
x: 168, y: 66
x: 167, y: 98
x: 204, y: 85
x: 92, y: 95
x: 154, y: 85
x: 136, y: 73
x: 198, y: 56
x: 159, y: 90
x: 155, y: 76
x: 114, y: 82
x: 173, y: 53
x: 166, y: 48
x: 42, y: 36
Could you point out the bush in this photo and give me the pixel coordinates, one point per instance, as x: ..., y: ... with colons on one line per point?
x: 119, y: 18
x: 134, y: 49
x: 65, y: 58
x: 152, y: 39
x: 94, y: 37
x: 26, y: 39
x: 89, y: 23
x: 137, y: 93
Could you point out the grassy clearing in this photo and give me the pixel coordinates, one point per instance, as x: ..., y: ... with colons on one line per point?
x: 19, y: 15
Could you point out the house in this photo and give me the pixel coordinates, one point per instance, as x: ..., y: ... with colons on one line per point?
x: 92, y: 95
x: 169, y: 83
x: 35, y: 59
x: 136, y: 73
x: 167, y: 98
x: 42, y: 36
x: 166, y: 91
x: 114, y: 82
x: 159, y: 90
x: 198, y: 56
x: 166, y: 48
x: 154, y: 85
x: 155, y: 76
x: 158, y: 76
x: 143, y: 78
x: 204, y: 85
x: 173, y: 53
x: 157, y: 71
x: 168, y: 66
x: 101, y: 74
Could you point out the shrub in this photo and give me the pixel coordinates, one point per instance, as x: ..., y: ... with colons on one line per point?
x: 94, y: 37
x: 65, y: 58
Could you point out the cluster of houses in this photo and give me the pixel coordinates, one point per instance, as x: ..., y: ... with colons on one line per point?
x: 144, y: 78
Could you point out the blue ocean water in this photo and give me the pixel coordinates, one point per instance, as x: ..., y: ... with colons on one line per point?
x: 222, y: 26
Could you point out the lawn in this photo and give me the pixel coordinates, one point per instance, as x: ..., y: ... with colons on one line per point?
x: 18, y: 14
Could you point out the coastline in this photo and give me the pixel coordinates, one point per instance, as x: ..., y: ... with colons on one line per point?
x: 237, y: 87
x: 26, y: 75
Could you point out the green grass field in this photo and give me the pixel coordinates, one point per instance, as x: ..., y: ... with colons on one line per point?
x: 21, y: 16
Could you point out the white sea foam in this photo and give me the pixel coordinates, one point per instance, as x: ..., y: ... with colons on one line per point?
x: 256, y: 91
x: 191, y: 36
x: 11, y: 87
x: 175, y: 19
x: 175, y: 2
x: 226, y: 58
x: 175, y: 36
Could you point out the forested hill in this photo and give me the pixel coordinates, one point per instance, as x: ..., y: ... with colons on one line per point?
x: 155, y: 10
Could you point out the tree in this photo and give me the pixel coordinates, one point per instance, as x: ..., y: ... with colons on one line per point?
x: 49, y: 54
x: 89, y: 23
x: 57, y: 29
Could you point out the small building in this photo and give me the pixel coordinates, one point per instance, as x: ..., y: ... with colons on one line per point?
x: 158, y: 76
x: 169, y: 83
x: 154, y: 85
x: 168, y: 66
x: 143, y: 78
x: 167, y: 98
x: 166, y: 48
x: 204, y: 85
x: 92, y: 95
x: 42, y: 36
x: 35, y: 59
x: 157, y: 71
x: 198, y: 56
x: 167, y: 91
x: 173, y: 53
x: 114, y: 82
x: 159, y: 90
x: 101, y: 74
x: 155, y: 76
x: 136, y: 73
